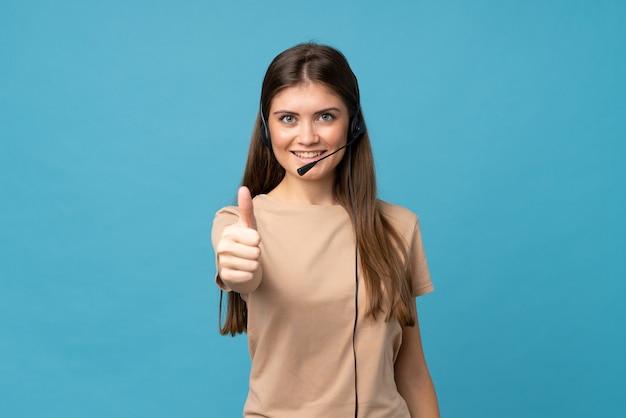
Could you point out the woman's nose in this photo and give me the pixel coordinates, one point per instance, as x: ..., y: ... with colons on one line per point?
x: 308, y: 134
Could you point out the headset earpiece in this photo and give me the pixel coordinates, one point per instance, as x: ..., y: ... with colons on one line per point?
x: 357, y: 125
x: 265, y: 132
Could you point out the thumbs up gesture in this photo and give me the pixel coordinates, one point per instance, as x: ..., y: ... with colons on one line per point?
x: 246, y: 212
x: 238, y: 250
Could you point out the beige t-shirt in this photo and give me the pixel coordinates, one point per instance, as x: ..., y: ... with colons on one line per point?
x: 301, y: 317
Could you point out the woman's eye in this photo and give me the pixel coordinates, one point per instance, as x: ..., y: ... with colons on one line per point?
x: 287, y: 118
x: 327, y: 116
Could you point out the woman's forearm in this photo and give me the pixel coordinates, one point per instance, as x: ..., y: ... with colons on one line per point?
x: 419, y: 394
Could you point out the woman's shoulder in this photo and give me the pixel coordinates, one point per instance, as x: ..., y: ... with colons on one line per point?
x: 227, y: 211
x: 397, y: 211
x: 398, y: 215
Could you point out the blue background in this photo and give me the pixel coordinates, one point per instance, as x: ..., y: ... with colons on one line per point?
x: 124, y: 126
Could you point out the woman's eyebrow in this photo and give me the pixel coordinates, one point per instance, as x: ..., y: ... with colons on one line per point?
x: 335, y: 109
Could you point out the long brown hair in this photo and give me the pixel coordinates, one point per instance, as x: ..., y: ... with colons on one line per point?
x: 382, y: 249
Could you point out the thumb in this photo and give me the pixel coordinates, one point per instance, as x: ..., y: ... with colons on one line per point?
x: 246, y: 213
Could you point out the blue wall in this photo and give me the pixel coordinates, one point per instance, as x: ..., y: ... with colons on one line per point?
x: 124, y: 126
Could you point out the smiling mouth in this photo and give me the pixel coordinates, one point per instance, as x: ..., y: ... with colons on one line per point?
x: 308, y: 154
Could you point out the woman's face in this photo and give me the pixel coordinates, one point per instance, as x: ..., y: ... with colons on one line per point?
x: 306, y: 122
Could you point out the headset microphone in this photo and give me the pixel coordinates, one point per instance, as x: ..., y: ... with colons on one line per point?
x: 305, y: 168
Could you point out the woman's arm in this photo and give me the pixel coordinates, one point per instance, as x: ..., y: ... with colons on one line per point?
x: 412, y: 376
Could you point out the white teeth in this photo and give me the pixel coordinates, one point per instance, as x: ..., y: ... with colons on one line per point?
x: 309, y: 154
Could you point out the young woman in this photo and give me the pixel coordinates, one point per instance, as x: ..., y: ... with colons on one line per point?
x: 320, y: 273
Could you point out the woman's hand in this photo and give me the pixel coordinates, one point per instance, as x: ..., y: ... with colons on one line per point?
x: 238, y: 250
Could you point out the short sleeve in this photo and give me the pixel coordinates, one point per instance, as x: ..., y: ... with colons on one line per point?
x: 421, y: 282
x: 223, y: 218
